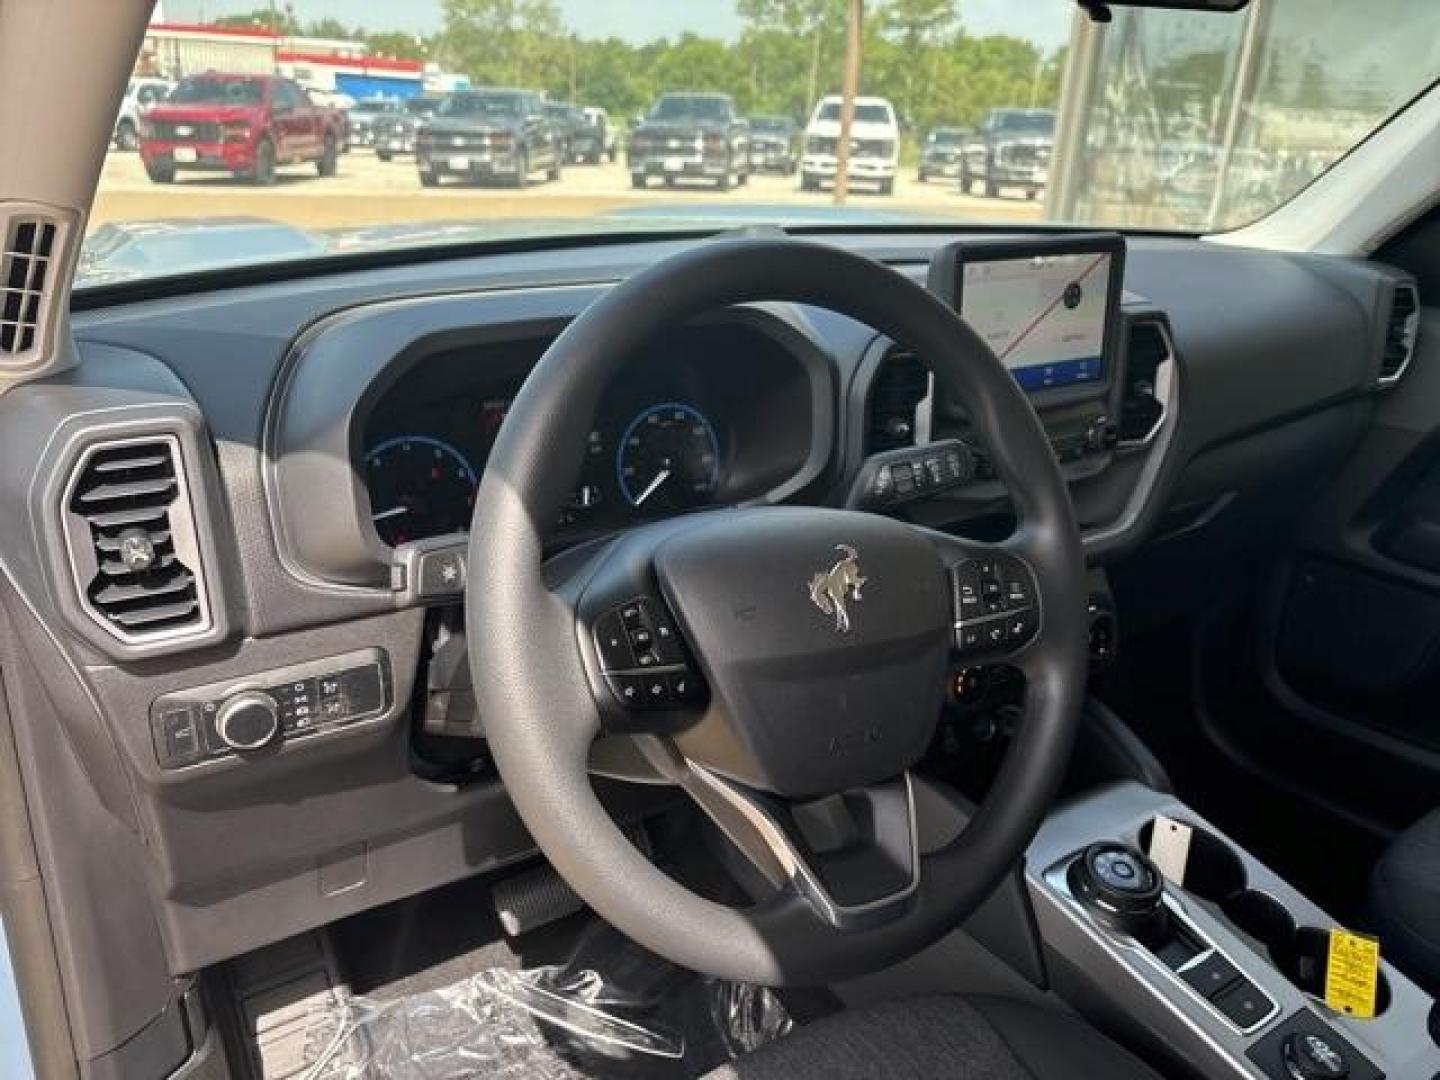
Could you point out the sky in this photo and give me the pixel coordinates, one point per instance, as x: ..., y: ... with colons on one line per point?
x: 1046, y: 22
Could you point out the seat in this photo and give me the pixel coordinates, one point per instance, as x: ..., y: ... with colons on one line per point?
x: 1404, y: 902
x: 942, y: 1038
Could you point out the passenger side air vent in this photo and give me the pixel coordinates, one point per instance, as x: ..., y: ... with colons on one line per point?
x: 1402, y: 328
x: 1147, y: 376
x: 901, y: 385
x: 25, y: 263
x: 134, y: 549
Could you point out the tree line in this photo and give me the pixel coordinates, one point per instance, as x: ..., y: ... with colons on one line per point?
x: 917, y: 53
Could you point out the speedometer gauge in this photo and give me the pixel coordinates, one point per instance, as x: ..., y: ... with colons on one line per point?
x: 419, y: 486
x: 668, y: 459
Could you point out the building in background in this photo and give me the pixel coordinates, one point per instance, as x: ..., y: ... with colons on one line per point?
x: 175, y: 50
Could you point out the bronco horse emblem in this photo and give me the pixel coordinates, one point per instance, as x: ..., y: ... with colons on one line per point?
x: 832, y: 590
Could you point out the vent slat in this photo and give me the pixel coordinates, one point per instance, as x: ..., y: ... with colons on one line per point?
x: 148, y: 585
x: 1400, y: 332
x: 129, y: 462
x: 127, y: 495
x: 148, y: 618
x: 138, y: 515
x: 162, y: 487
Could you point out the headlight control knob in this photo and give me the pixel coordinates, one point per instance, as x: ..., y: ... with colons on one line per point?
x: 248, y: 720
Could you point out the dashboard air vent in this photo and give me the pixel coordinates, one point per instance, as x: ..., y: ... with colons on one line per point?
x: 1402, y: 329
x: 138, y: 576
x: 1146, y: 374
x: 900, y: 386
x: 28, y: 246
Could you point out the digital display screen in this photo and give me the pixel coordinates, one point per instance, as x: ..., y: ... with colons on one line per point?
x: 1044, y: 316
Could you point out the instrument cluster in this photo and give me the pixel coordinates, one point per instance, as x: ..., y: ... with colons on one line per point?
x: 712, y: 415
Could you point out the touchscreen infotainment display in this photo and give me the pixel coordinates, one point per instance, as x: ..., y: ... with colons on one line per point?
x: 1045, y: 316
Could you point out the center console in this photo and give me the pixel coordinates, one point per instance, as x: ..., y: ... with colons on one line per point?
x: 1224, y: 970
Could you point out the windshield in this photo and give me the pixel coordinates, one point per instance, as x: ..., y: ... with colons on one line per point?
x: 1184, y: 121
x: 690, y: 108
x: 1024, y: 123
x: 864, y: 114
x: 217, y: 92
x: 480, y: 105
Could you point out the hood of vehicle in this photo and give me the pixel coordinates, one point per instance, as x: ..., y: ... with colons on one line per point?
x: 1037, y: 141
x: 459, y: 125
x: 678, y: 129
x: 200, y: 113
x: 830, y: 129
x: 177, y: 246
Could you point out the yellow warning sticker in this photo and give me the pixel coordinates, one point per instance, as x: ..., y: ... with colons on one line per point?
x: 1352, y: 970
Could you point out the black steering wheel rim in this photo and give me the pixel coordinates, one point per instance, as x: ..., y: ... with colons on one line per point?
x: 527, y: 668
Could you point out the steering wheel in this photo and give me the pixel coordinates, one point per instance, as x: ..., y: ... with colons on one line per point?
x: 796, y: 656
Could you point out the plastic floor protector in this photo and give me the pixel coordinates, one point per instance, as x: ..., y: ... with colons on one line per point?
x: 541, y: 1024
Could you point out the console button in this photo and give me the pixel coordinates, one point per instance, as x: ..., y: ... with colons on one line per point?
x: 1244, y: 1004
x: 362, y: 690
x: 180, y: 738
x: 248, y: 720
x: 440, y: 573
x: 1313, y: 1057
x: 612, y: 644
x: 1211, y: 975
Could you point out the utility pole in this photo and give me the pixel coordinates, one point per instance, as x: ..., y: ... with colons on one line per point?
x: 854, y: 29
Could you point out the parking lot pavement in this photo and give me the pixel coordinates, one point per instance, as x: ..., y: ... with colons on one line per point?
x: 369, y: 191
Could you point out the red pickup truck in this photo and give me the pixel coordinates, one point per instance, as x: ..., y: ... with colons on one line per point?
x: 241, y: 124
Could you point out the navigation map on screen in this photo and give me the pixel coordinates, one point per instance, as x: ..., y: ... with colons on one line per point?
x: 1044, y: 316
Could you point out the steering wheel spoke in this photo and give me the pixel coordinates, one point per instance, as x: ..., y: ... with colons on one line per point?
x: 853, y: 858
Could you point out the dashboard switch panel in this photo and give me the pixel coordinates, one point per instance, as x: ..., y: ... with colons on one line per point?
x: 250, y: 715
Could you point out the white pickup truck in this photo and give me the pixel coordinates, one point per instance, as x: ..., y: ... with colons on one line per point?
x: 874, y: 144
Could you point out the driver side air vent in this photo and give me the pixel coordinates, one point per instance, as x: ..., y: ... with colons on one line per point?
x: 25, y: 260
x: 900, y: 385
x: 134, y: 549
x: 1402, y: 328
x: 1147, y: 374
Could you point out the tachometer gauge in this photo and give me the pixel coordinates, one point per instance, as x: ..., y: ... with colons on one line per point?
x: 419, y: 486
x: 668, y: 459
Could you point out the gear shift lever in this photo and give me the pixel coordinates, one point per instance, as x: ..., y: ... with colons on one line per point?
x: 1122, y: 889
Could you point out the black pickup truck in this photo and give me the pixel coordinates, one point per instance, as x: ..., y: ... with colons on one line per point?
x: 691, y: 137
x: 1011, y: 149
x: 490, y: 135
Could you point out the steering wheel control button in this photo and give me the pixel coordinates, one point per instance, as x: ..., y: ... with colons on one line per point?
x: 248, y: 721
x: 994, y: 602
x: 1313, y: 1057
x: 612, y: 643
x: 629, y: 690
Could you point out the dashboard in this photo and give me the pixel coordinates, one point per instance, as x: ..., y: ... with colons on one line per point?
x: 322, y: 436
